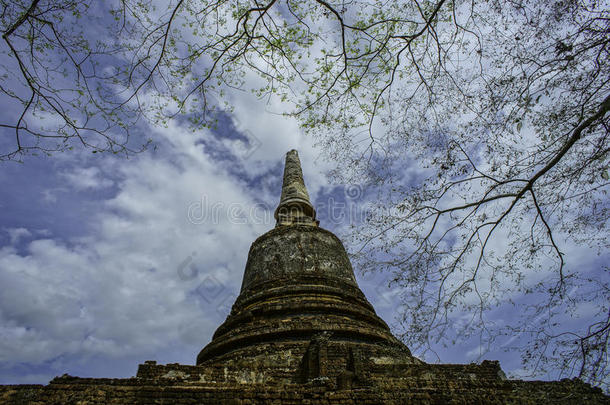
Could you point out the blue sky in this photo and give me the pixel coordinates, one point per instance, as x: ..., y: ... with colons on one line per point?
x: 106, y: 262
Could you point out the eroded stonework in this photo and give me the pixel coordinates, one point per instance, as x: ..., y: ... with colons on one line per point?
x: 302, y: 332
x: 301, y: 312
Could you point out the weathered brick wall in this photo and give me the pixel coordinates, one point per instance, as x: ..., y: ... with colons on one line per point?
x: 83, y: 391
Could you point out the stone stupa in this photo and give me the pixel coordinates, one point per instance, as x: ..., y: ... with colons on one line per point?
x: 302, y: 332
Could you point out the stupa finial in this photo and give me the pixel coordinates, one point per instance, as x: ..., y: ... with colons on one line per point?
x: 294, y: 207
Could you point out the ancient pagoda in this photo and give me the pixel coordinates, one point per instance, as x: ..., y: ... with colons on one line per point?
x: 300, y: 312
x: 302, y: 332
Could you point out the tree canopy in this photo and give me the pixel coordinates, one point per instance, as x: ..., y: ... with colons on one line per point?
x: 501, y: 106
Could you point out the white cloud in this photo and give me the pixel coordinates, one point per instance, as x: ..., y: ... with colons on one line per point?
x: 49, y: 195
x: 476, y: 352
x: 86, y: 178
x: 16, y: 234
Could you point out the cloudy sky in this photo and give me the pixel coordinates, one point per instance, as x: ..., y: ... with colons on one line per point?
x: 107, y: 262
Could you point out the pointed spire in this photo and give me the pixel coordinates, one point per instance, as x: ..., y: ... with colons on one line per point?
x: 294, y: 207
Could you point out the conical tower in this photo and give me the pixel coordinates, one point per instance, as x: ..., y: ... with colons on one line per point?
x: 302, y: 332
x: 300, y: 310
x: 294, y: 206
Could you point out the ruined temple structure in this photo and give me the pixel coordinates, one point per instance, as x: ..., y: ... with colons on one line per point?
x: 302, y: 332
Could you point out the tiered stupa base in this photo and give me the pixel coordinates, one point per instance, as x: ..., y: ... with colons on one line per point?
x: 302, y: 332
